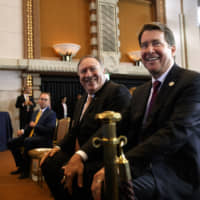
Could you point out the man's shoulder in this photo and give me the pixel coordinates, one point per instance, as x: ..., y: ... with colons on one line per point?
x: 110, y: 85
x: 187, y: 75
x: 50, y: 114
x: 143, y: 86
x: 113, y: 84
x: 49, y: 111
x: 114, y: 93
x: 20, y: 96
x: 191, y: 73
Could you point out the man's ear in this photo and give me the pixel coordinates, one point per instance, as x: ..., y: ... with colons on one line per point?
x: 173, y: 48
x: 104, y: 69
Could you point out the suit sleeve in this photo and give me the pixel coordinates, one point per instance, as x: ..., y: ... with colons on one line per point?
x: 19, y: 102
x: 33, y: 102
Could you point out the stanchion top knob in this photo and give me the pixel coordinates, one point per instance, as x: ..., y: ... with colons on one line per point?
x: 109, y: 116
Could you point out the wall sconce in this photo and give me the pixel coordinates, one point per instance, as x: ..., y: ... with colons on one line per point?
x: 135, y: 57
x: 66, y: 50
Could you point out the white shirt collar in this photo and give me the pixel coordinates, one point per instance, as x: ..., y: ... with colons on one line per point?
x: 92, y: 95
x: 43, y: 109
x: 163, y: 76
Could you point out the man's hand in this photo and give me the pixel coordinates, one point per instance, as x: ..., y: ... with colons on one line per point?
x: 50, y: 153
x: 74, y: 167
x: 30, y: 103
x: 97, y: 181
x: 20, y: 132
x: 32, y: 124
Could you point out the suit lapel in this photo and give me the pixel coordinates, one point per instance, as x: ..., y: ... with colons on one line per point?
x: 94, y: 102
x: 91, y: 105
x: 142, y: 99
x: 23, y: 98
x: 43, y: 114
x: 168, y: 85
x: 79, y: 110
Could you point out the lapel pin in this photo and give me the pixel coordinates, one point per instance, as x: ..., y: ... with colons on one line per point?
x: 171, y: 83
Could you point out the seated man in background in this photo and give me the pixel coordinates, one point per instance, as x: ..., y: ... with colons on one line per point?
x: 101, y: 95
x: 39, y: 133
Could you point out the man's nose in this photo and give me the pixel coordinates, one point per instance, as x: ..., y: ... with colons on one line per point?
x: 150, y: 48
x: 88, y: 73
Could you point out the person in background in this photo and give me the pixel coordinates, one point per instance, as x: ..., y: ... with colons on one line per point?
x: 78, y: 96
x: 61, y: 108
x: 100, y: 95
x: 163, y: 125
x: 26, y: 104
x: 39, y: 133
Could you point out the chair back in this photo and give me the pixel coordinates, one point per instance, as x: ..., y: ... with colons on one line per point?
x: 63, y: 127
x: 55, y: 132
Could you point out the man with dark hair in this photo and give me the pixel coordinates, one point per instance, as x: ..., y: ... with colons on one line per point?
x: 168, y: 35
x: 61, y: 108
x: 101, y: 95
x: 39, y: 133
x: 162, y: 124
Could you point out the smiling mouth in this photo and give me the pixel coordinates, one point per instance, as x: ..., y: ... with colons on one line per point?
x: 152, y: 59
x: 90, y: 79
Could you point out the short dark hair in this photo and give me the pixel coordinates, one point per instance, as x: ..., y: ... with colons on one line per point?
x: 88, y: 56
x: 168, y: 34
x: 62, y: 97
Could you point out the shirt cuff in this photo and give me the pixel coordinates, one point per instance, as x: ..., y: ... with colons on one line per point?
x: 82, y: 154
x: 58, y: 147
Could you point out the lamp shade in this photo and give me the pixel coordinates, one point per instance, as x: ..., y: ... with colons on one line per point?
x: 134, y: 55
x: 66, y: 49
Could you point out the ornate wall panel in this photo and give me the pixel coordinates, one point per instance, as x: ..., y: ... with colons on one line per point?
x: 104, y: 29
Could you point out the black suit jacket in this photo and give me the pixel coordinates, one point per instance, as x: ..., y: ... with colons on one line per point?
x: 24, y: 113
x: 45, y: 126
x: 169, y: 143
x: 59, y: 111
x: 111, y: 96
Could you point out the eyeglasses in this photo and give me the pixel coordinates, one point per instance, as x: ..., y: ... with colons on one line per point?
x: 42, y: 99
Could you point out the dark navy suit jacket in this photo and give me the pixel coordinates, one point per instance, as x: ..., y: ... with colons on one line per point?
x: 45, y: 127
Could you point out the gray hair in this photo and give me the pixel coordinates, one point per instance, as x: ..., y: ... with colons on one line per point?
x: 89, y: 56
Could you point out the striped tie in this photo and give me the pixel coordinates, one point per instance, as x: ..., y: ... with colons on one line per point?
x: 36, y: 121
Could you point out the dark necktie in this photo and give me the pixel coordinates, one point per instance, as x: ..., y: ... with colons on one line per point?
x: 156, y: 85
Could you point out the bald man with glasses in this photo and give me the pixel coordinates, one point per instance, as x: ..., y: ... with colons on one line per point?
x: 39, y: 133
